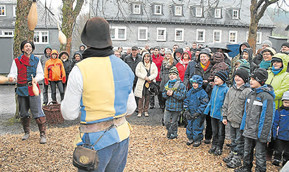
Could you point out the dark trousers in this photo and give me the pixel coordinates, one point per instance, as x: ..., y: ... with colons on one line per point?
x: 45, y: 93
x: 260, y: 152
x: 208, y: 131
x: 160, y: 98
x: 237, y: 140
x: 53, y: 89
x: 218, y: 129
x: 281, y: 147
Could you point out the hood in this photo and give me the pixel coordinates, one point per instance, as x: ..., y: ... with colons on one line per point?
x: 244, y: 43
x: 82, y: 45
x: 284, y: 59
x: 179, y: 50
x: 218, y: 57
x: 266, y: 88
x: 198, y: 79
x: 77, y: 52
x: 48, y: 46
x: 63, y: 52
x: 250, y: 52
x: 189, y: 53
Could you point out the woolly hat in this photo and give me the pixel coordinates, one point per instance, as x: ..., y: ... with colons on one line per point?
x: 267, y: 42
x: 285, y: 95
x: 276, y: 59
x: 286, y: 44
x: 223, y: 75
x: 174, y: 70
x: 260, y: 75
x: 242, y: 73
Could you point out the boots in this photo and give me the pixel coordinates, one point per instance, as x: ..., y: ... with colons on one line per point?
x: 235, y: 162
x: 42, y: 128
x: 26, y: 123
x: 229, y: 157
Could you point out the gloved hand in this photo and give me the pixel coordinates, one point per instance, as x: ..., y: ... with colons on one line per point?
x: 46, y: 82
x: 195, y: 115
x: 63, y: 79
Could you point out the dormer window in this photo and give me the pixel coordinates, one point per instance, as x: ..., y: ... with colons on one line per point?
x: 2, y: 10
x: 235, y: 14
x: 158, y: 9
x: 178, y: 10
x: 136, y: 8
x: 218, y: 13
x: 199, y: 12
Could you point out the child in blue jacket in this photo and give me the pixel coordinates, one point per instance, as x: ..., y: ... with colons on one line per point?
x: 174, y: 93
x: 195, y: 103
x: 215, y: 108
x: 281, y: 131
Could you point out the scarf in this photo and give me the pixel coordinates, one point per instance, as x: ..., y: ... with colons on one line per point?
x: 95, y: 52
x: 265, y: 64
x: 276, y: 71
x: 205, y: 67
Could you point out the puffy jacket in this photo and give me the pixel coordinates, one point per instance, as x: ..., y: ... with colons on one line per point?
x: 216, y: 102
x: 234, y: 104
x: 259, y: 112
x: 174, y: 102
x: 196, y: 99
x: 281, y: 124
x: 158, y: 61
x: 54, y: 71
x: 279, y: 82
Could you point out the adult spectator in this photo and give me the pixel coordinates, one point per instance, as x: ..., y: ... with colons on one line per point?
x: 267, y: 55
x: 117, y: 53
x: 67, y: 63
x: 128, y: 52
x: 175, y: 47
x: 43, y: 60
x: 82, y: 48
x: 239, y: 56
x: 265, y: 44
x: 27, y: 70
x: 178, y: 55
x: 100, y: 87
x: 167, y: 64
x: 183, y: 64
x: 285, y: 50
x: 77, y: 57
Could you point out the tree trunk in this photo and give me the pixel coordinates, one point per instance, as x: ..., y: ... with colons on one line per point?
x: 252, y: 36
x: 21, y: 32
x: 69, y: 17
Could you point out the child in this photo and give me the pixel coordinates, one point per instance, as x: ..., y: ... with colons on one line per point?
x: 175, y: 93
x: 215, y: 106
x: 195, y: 103
x: 281, y: 131
x: 233, y: 110
x: 54, y: 73
x: 257, y: 121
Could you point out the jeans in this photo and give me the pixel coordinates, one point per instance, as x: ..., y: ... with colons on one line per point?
x: 237, y: 140
x: 112, y: 158
x: 171, y: 121
x: 260, y: 152
x: 53, y: 89
x: 281, y: 146
x: 218, y: 129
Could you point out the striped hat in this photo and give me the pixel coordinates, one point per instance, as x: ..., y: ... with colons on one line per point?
x: 223, y: 75
x: 174, y: 70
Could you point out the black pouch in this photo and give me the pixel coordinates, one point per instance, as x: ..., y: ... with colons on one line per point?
x: 85, y: 158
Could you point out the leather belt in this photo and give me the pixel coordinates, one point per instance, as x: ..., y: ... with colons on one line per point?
x: 102, y: 126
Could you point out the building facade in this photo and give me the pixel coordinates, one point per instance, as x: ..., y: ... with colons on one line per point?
x: 168, y: 22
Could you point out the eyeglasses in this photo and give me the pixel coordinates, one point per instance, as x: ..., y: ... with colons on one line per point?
x: 266, y: 54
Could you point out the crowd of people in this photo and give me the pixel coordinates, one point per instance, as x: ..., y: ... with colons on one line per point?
x: 248, y: 92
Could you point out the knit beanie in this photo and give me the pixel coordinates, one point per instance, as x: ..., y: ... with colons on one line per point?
x: 260, y: 75
x: 174, y: 70
x: 286, y: 44
x: 223, y: 75
x: 243, y: 73
x: 267, y: 42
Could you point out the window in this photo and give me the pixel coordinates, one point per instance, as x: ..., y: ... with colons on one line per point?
x: 158, y: 10
x: 142, y: 33
x: 14, y: 10
x: 136, y: 8
x: 179, y: 34
x: 200, y: 35
x: 199, y: 12
x: 178, y: 10
x: 2, y: 10
x: 161, y: 34
x: 233, y: 36
x: 41, y: 37
x: 235, y: 14
x: 217, y: 35
x: 6, y: 33
x: 118, y: 33
x: 218, y: 13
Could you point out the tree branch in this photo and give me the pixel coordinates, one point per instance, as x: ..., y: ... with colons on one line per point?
x: 263, y: 9
x: 78, y: 7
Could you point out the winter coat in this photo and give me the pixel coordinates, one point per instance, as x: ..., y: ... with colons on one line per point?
x: 54, y: 71
x: 190, y: 71
x: 234, y: 104
x: 216, y: 102
x: 67, y: 66
x: 141, y: 73
x: 281, y: 124
x: 205, y: 75
x: 279, y: 82
x: 45, y: 57
x: 158, y: 61
x: 259, y: 113
x: 133, y: 63
x: 164, y: 75
x: 174, y: 102
x: 182, y: 69
x: 219, y: 64
x: 196, y: 99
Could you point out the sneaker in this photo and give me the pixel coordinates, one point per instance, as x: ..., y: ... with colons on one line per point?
x: 146, y: 114
x: 229, y: 157
x: 207, y: 141
x: 218, y: 151
x: 26, y: 136
x: 197, y: 143
x: 276, y: 162
x: 42, y: 139
x: 191, y: 141
x: 242, y: 169
x: 235, y: 162
x: 173, y: 136
x: 212, y: 150
x: 139, y: 115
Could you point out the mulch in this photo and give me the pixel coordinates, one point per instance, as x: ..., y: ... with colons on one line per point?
x: 149, y: 150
